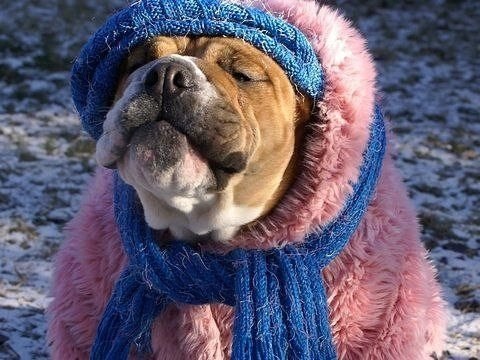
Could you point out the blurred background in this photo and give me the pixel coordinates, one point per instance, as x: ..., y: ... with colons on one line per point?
x: 428, y: 59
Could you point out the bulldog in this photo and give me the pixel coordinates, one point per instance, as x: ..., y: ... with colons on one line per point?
x: 207, y: 131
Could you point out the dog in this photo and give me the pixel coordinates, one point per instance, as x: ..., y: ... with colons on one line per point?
x: 197, y: 175
x: 217, y: 143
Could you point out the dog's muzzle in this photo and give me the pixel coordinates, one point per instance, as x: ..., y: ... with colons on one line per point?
x: 172, y: 95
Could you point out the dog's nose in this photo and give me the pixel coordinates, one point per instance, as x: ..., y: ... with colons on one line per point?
x: 166, y: 79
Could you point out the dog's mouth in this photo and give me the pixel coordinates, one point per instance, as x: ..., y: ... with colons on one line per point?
x: 182, y: 124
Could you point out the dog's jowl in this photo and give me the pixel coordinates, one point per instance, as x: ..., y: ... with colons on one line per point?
x: 246, y: 205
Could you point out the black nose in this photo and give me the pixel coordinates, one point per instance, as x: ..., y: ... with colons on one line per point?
x: 167, y: 79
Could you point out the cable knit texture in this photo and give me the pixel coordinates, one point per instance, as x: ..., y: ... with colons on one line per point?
x: 382, y: 297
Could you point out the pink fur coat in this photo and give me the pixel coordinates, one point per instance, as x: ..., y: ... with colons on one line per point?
x: 383, y: 298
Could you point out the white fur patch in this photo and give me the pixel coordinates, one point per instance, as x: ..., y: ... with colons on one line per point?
x: 214, y: 214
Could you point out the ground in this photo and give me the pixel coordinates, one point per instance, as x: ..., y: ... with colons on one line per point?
x: 428, y: 57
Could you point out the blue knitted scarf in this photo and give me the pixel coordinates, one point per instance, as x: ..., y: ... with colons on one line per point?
x: 278, y: 295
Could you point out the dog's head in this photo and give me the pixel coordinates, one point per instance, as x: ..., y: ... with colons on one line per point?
x: 206, y: 130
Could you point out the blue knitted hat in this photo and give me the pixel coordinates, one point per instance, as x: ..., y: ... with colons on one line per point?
x: 95, y: 72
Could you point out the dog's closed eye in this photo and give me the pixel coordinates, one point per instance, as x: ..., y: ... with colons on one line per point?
x: 240, y: 76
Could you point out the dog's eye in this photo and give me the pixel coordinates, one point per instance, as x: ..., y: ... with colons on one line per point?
x: 241, y: 77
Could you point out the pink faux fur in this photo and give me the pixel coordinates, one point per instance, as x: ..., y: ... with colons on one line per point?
x: 383, y: 298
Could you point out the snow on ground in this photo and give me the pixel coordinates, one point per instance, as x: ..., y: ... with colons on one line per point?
x: 428, y: 57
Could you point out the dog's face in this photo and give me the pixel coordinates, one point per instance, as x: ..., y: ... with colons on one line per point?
x: 206, y: 131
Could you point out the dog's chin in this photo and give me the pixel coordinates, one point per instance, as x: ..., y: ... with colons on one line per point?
x: 161, y: 160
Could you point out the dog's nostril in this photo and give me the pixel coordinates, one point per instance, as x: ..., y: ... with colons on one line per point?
x: 179, y: 80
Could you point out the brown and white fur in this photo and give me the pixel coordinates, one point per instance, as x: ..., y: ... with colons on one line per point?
x: 213, y: 152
